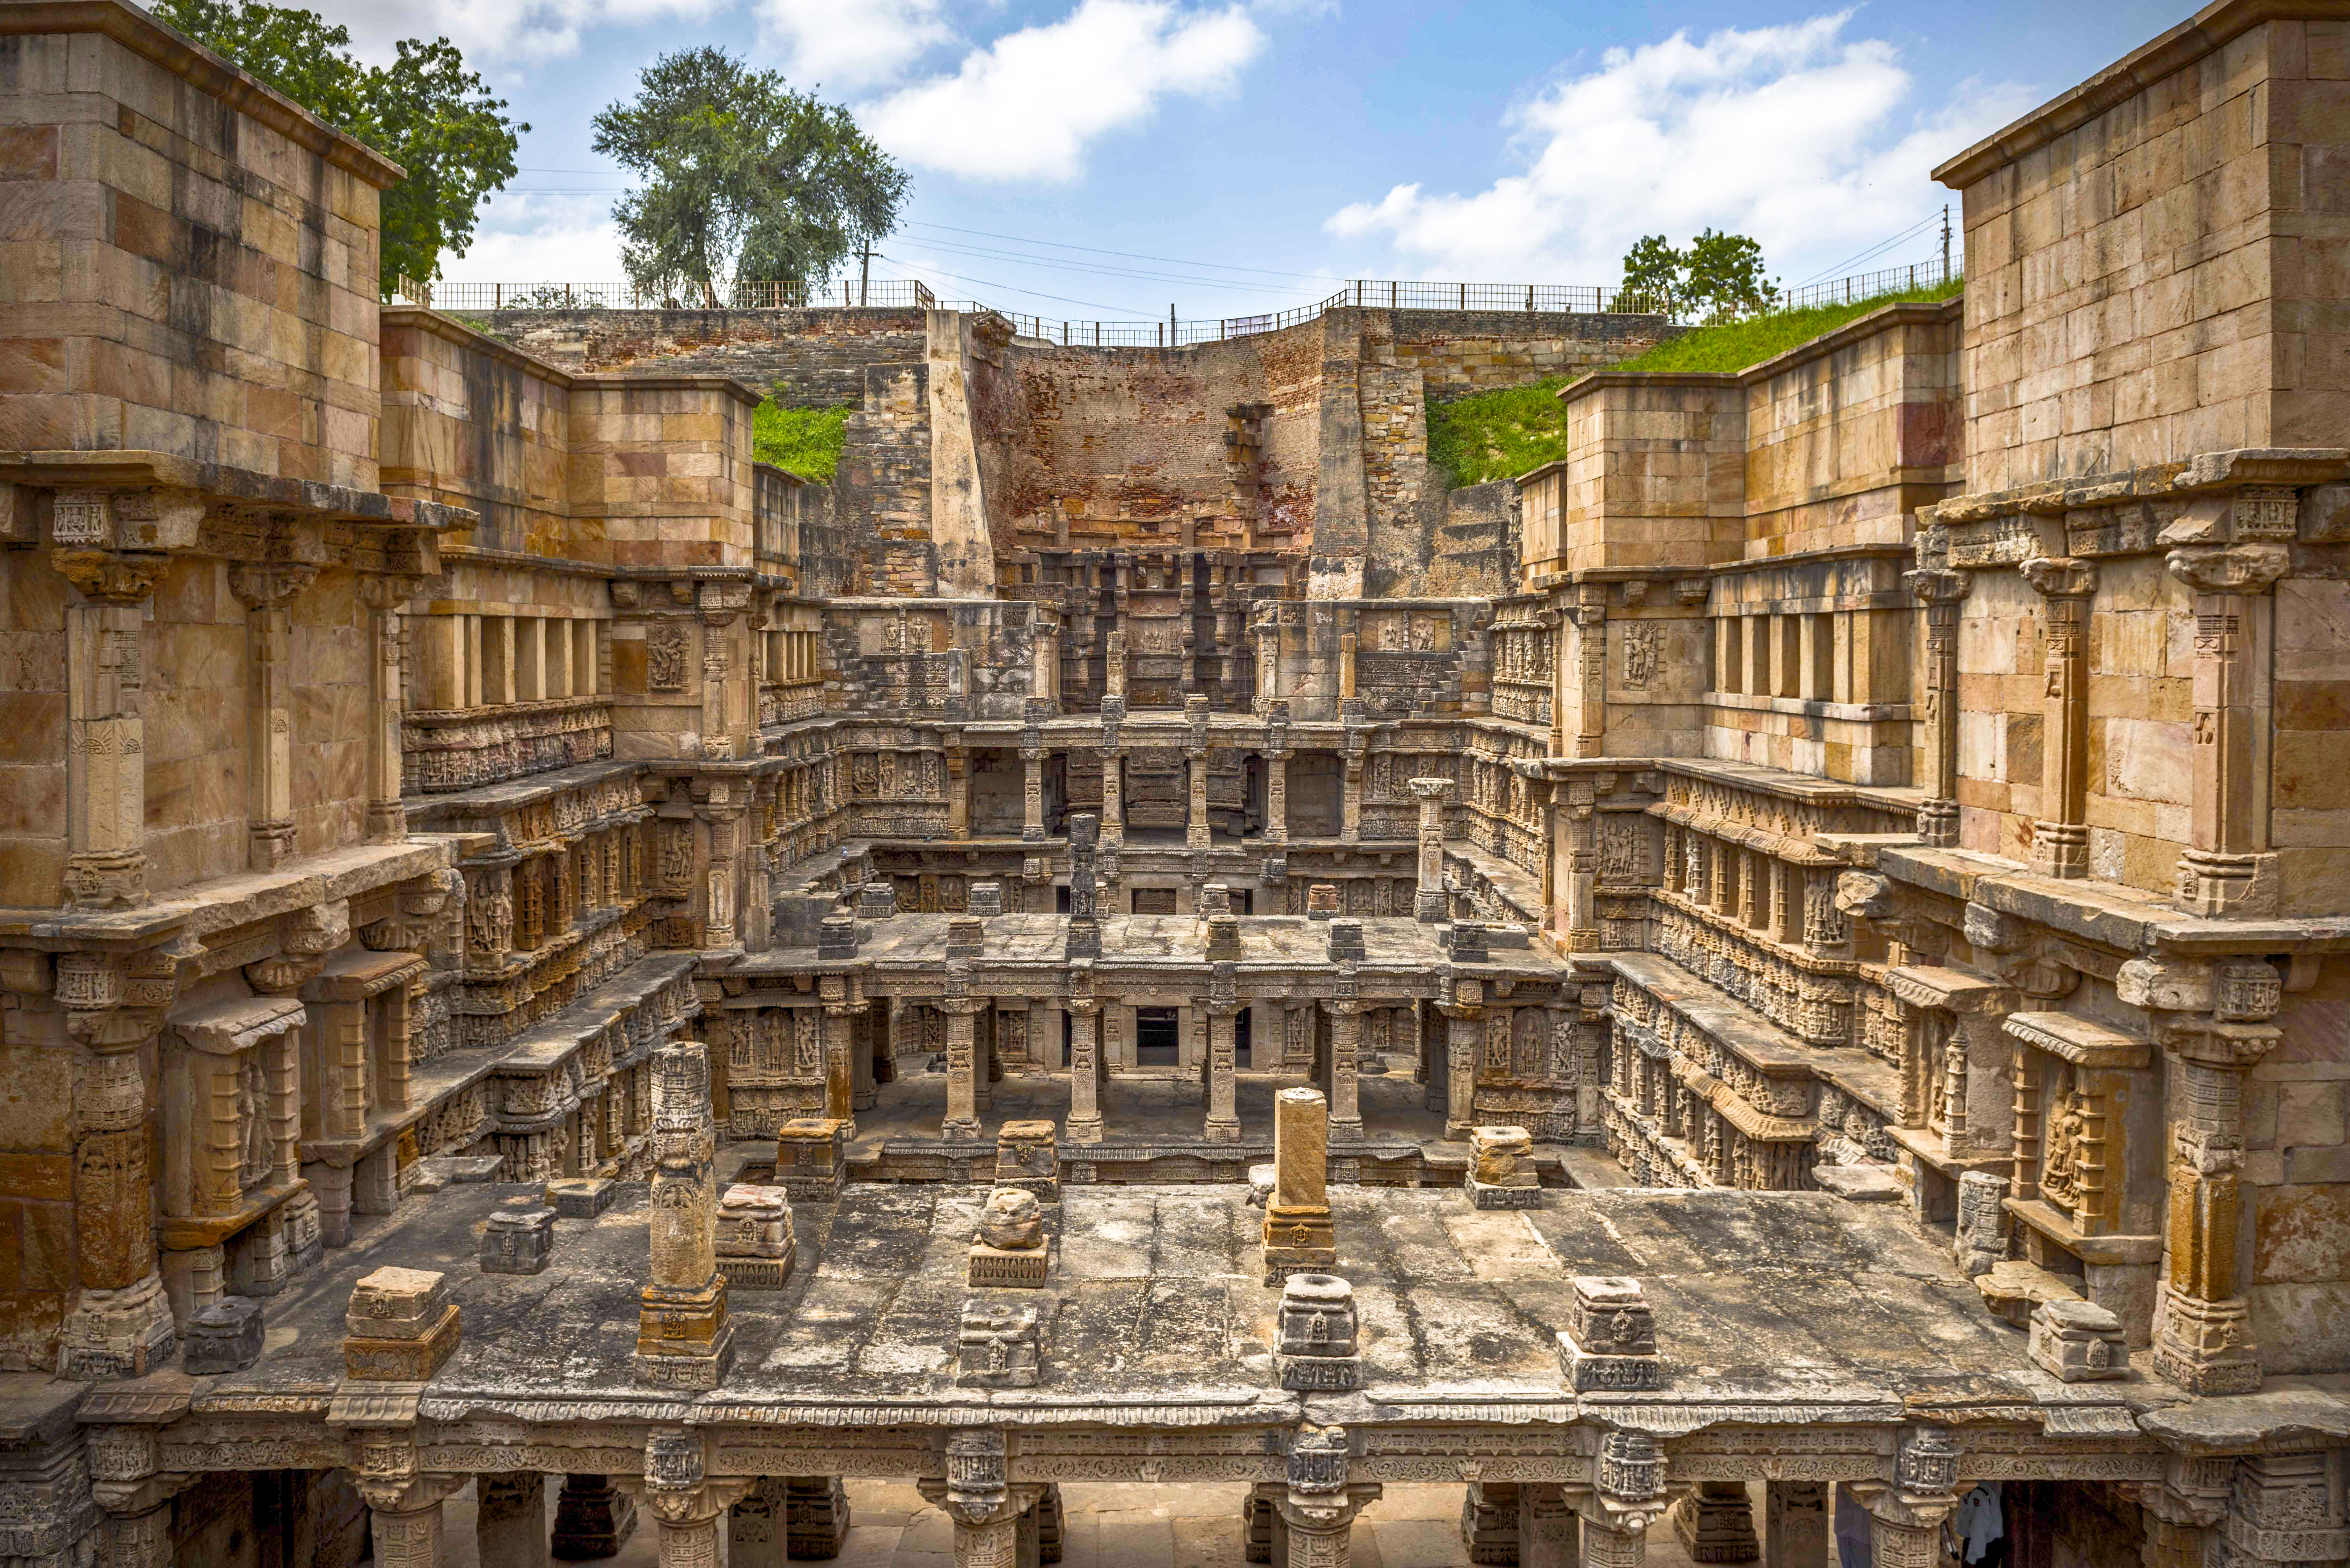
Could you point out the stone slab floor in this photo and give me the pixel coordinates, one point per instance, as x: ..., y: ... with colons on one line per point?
x: 1108, y: 1526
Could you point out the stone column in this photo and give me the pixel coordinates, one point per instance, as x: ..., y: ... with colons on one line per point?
x: 1032, y: 820
x: 1317, y: 1510
x: 962, y: 1065
x: 683, y: 1340
x: 1905, y: 1518
x: 840, y: 1010
x: 1084, y: 1122
x: 404, y: 1518
x: 1715, y: 1523
x: 979, y: 1498
x: 1195, y: 810
x: 593, y: 1518
x: 1428, y: 901
x: 1046, y: 681
x: 1276, y: 795
x: 690, y: 1507
x: 958, y: 792
x: 1579, y: 824
x: 1584, y: 673
x: 2060, y: 838
x: 510, y: 1523
x: 1297, y: 1233
x: 1943, y: 594
x: 754, y: 1527
x: 387, y: 819
x: 2202, y: 1327
x: 1084, y: 938
x: 267, y: 592
x: 1615, y: 1515
x: 2229, y: 868
x: 1113, y: 812
x: 120, y: 1323
x: 1223, y: 1123
x: 1345, y: 1049
x: 1796, y: 1529
x: 106, y: 758
x: 1464, y: 1044
x: 1546, y: 1531
x: 1113, y: 666
x: 1350, y: 798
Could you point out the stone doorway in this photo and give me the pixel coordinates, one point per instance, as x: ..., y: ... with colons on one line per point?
x: 1157, y: 1037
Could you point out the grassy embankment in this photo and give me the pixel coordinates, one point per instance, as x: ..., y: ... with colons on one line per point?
x: 1503, y: 433
x: 806, y: 442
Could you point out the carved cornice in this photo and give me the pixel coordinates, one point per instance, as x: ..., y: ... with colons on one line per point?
x: 108, y: 577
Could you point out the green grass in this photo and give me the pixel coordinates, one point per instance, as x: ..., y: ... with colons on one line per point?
x: 1502, y: 433
x: 806, y: 441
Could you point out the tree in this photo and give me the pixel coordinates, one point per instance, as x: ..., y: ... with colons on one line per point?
x: 1717, y: 278
x: 425, y: 111
x: 743, y: 177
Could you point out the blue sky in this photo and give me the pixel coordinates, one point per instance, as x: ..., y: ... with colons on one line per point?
x: 1245, y: 155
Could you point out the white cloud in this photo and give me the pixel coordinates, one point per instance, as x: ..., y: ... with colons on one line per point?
x: 530, y: 239
x: 501, y: 30
x: 1795, y: 135
x: 1026, y: 107
x: 860, y: 44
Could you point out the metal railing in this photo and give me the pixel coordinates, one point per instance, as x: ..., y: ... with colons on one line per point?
x: 1375, y: 293
x: 745, y: 294
x: 1929, y: 274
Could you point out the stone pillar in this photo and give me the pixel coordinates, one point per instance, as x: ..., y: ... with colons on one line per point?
x: 1715, y: 1523
x: 1905, y: 1518
x: 840, y: 1053
x: 387, y: 819
x: 1578, y: 828
x: 1615, y: 1516
x: 1943, y: 594
x: 593, y: 1518
x: 683, y: 1340
x: 2203, y: 1330
x: 1546, y: 1530
x: 1297, y: 1234
x: 1276, y: 795
x: 977, y: 1496
x: 689, y: 1509
x: 1195, y: 810
x: 106, y: 682
x: 267, y: 592
x: 1084, y: 929
x: 1345, y: 1050
x: 964, y: 1067
x: 1113, y: 666
x: 1316, y: 1511
x: 1113, y: 810
x: 754, y: 1527
x: 119, y: 1323
x: 510, y: 1523
x: 1085, y: 1123
x: 1464, y: 1044
x: 1223, y: 1122
x: 1428, y: 900
x: 1584, y: 673
x: 1796, y: 1528
x: 958, y: 792
x: 405, y: 1517
x: 1032, y: 796
x: 2229, y: 868
x: 1350, y: 798
x: 2060, y: 838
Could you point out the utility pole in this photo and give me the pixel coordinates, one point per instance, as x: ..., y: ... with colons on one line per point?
x: 865, y: 274
x: 1946, y: 242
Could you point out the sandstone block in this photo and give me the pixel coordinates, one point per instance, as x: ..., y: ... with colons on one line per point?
x: 224, y: 1337
x: 518, y: 1240
x: 582, y: 1197
x: 2077, y: 1341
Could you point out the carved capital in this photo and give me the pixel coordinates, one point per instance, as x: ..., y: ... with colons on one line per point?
x: 271, y: 585
x: 1935, y: 585
x: 2060, y: 577
x: 108, y: 576
x: 2230, y: 569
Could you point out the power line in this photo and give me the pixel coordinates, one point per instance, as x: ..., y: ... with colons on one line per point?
x: 1880, y: 246
x: 1014, y: 288
x: 1100, y: 271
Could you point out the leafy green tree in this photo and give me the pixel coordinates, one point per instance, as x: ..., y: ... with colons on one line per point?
x: 1719, y: 277
x: 1654, y: 268
x: 425, y: 111
x: 744, y: 178
x: 1725, y: 279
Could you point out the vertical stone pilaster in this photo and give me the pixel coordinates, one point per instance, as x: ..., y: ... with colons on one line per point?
x: 1942, y: 593
x: 1345, y: 1052
x: 1464, y: 1045
x: 387, y: 819
x: 958, y: 792
x: 1586, y: 664
x: 1223, y: 1120
x: 106, y: 761
x: 1578, y: 822
x: 1428, y: 900
x: 841, y: 1006
x: 2229, y: 868
x: 267, y: 592
x: 1032, y: 794
x: 1350, y: 798
x: 1195, y: 807
x: 683, y: 1338
x: 1084, y: 1122
x: 962, y: 1065
x: 2060, y: 838
x: 1276, y: 795
x: 119, y: 1325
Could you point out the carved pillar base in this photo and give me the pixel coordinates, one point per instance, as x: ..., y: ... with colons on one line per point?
x: 2060, y: 849
x: 509, y: 1524
x: 1715, y: 1523
x: 593, y: 1519
x: 2206, y: 1347
x: 2217, y: 885
x: 683, y: 1339
x: 126, y: 1333
x: 1938, y: 823
x: 816, y: 1516
x: 1489, y: 1524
